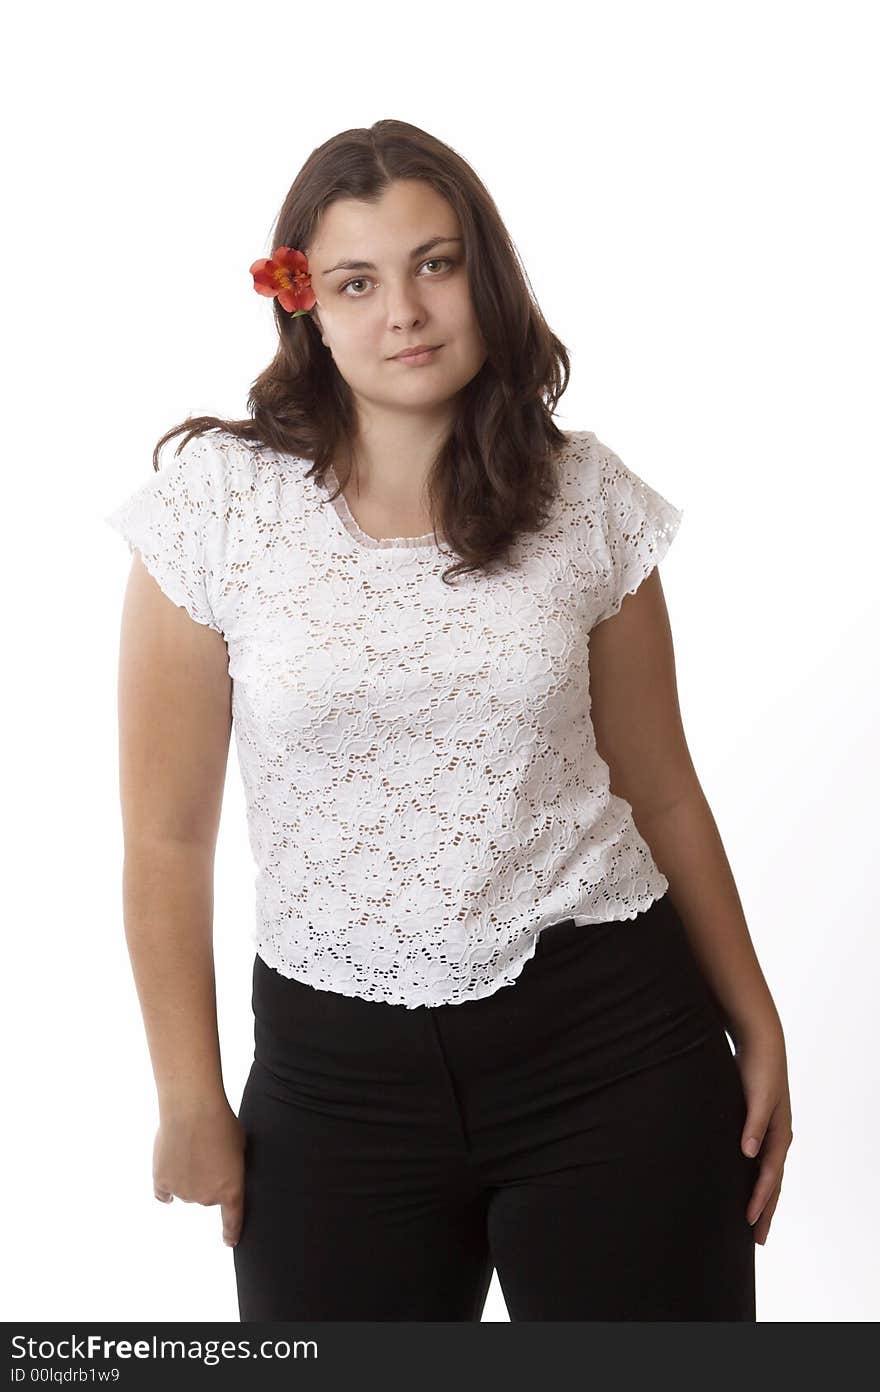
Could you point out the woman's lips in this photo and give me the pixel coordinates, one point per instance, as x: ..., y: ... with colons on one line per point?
x: 417, y: 359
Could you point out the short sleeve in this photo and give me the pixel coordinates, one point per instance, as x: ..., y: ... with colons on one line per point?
x: 639, y: 526
x: 173, y: 520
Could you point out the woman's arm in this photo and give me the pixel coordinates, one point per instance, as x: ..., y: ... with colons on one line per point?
x: 174, y: 728
x: 687, y: 847
x: 639, y: 734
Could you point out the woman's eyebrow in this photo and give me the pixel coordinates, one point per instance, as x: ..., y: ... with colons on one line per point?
x: 369, y: 266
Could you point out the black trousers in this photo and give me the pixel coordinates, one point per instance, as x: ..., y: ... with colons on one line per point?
x: 577, y: 1131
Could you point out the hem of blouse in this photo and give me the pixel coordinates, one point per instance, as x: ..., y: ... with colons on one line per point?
x: 643, y: 906
x: 486, y: 988
x: 479, y: 992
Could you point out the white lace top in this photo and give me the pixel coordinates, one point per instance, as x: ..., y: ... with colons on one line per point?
x: 423, y: 788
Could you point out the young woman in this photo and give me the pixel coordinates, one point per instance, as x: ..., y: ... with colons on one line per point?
x: 499, y: 948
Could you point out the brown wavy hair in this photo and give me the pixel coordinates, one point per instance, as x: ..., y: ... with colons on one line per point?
x: 495, y: 475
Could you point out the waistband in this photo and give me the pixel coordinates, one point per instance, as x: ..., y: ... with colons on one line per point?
x: 556, y: 935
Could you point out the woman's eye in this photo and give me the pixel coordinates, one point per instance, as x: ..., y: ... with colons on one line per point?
x: 360, y: 280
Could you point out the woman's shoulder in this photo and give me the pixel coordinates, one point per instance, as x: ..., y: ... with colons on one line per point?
x: 262, y: 487
x: 239, y: 456
x: 595, y: 468
x: 579, y: 466
x: 599, y: 486
x: 257, y: 459
x: 243, y: 470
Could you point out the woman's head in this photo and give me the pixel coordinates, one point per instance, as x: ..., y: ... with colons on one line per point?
x: 390, y: 273
x: 375, y: 194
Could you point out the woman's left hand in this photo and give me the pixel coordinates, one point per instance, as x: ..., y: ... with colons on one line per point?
x: 763, y: 1068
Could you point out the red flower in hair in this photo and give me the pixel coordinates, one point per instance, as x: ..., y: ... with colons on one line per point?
x: 286, y: 274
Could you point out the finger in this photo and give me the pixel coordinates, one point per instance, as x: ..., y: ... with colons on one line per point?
x: 162, y: 1195
x: 762, y: 1227
x: 753, y: 1134
x: 761, y: 1130
x: 768, y: 1183
x: 764, y: 1187
x: 772, y: 1164
x: 232, y: 1214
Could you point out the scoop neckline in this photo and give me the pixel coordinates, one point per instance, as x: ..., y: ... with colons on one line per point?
x: 349, y: 522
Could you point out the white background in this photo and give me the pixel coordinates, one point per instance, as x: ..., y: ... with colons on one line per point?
x: 692, y: 190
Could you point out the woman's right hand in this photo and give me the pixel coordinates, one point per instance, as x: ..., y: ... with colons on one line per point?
x: 198, y: 1156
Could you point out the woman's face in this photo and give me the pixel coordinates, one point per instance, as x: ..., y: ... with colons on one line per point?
x: 366, y: 314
